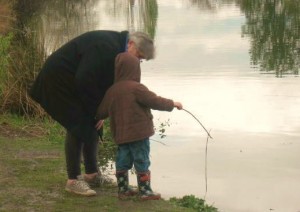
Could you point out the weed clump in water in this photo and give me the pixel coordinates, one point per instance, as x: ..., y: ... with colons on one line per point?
x: 190, y: 201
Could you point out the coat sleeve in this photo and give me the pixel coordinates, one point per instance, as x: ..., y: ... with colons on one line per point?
x: 149, y: 99
x: 94, y: 76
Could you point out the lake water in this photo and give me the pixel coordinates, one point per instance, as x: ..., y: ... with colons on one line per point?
x: 234, y: 65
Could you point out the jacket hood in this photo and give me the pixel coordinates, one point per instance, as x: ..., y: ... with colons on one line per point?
x: 127, y: 67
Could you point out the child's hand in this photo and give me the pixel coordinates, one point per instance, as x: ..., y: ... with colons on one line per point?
x: 178, y: 105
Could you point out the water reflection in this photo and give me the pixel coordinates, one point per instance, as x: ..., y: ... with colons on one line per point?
x: 136, y: 14
x: 272, y: 26
x: 63, y: 20
x: 146, y: 16
x: 208, y: 4
x: 274, y: 30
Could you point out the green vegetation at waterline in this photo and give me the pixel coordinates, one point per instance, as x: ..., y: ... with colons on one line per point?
x: 190, y: 201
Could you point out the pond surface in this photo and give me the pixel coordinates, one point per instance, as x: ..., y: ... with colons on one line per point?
x: 234, y: 65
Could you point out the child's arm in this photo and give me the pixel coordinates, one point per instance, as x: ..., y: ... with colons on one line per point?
x: 149, y: 99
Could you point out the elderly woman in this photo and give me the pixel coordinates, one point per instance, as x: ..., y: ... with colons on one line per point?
x: 71, y: 85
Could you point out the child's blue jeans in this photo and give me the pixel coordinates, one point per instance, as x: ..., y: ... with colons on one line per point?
x: 134, y: 153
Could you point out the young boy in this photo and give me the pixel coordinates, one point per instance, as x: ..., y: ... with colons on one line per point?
x: 128, y: 104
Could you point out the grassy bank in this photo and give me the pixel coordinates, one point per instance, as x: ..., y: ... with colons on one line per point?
x: 33, y: 175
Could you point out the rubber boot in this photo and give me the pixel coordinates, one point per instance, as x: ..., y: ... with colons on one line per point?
x: 125, y: 191
x: 144, y: 184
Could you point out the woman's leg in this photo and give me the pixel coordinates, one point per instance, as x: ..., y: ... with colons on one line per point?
x: 72, y: 151
x: 90, y: 151
x: 93, y: 175
x: 73, y: 148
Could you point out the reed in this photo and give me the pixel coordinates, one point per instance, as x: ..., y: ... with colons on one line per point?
x: 24, y: 53
x: 7, y: 16
x: 25, y: 60
x: 4, y: 59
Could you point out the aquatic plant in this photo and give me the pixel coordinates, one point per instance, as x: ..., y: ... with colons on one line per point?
x: 190, y: 201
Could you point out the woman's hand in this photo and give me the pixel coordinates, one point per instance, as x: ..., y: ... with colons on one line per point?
x: 99, y: 124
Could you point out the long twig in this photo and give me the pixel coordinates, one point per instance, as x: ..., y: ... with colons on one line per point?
x: 198, y: 122
x: 206, y: 153
x: 206, y: 149
x: 159, y: 142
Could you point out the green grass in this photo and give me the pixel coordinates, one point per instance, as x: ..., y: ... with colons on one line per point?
x: 33, y: 174
x: 190, y: 201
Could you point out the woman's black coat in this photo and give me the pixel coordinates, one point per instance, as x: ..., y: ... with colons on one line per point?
x: 75, y: 78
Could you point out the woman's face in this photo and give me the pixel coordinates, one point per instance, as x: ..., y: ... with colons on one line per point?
x: 134, y: 51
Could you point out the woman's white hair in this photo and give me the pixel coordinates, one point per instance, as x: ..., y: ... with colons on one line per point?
x: 144, y: 44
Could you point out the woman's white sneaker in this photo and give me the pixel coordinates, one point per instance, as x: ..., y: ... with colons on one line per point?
x: 80, y: 187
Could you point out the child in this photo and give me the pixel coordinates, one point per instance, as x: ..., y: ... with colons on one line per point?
x: 128, y: 104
